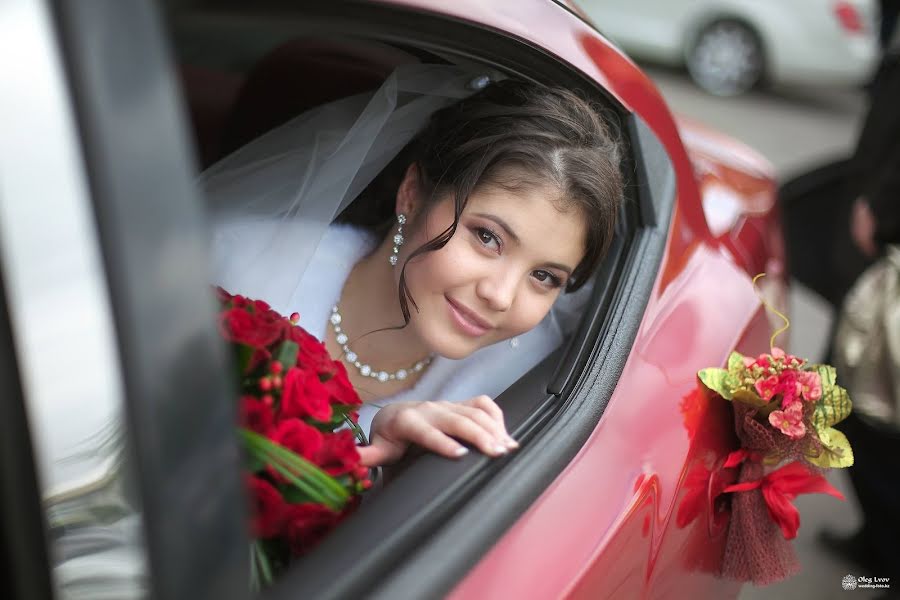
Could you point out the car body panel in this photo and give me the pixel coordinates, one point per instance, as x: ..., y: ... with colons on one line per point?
x: 803, y: 40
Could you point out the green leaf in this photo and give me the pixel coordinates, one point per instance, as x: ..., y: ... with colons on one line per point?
x: 243, y: 355
x: 834, y: 406
x: 254, y: 570
x: 836, y: 450
x: 718, y: 380
x: 264, y: 567
x: 753, y: 399
x: 736, y: 363
x: 286, y: 354
x: 254, y: 464
x: 306, y: 476
x: 294, y: 495
x: 827, y: 373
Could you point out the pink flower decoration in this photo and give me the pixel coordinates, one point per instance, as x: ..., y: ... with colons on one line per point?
x: 762, y: 361
x: 810, y: 385
x: 786, y: 358
x: 768, y: 387
x: 789, y: 421
x: 789, y: 387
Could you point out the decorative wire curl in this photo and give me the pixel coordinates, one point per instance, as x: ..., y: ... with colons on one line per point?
x: 787, y: 322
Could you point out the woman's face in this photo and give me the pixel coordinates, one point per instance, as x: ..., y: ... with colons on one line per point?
x: 497, y: 277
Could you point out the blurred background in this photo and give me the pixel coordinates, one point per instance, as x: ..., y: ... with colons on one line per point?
x: 790, y: 79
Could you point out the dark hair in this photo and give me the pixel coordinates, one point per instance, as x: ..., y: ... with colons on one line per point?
x: 513, y: 134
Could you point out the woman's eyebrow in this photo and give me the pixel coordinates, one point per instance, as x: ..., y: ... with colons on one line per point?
x: 512, y: 234
x: 561, y: 267
x: 502, y: 224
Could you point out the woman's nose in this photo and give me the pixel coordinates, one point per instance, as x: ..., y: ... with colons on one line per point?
x: 498, y: 290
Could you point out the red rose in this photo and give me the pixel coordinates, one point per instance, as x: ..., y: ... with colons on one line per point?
x: 267, y: 508
x: 338, y: 454
x: 256, y: 415
x: 303, y: 395
x: 340, y: 388
x: 307, y: 524
x: 261, y: 306
x: 238, y: 325
x: 298, y: 437
x: 312, y: 353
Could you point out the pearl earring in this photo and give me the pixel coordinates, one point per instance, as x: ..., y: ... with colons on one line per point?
x: 398, y: 239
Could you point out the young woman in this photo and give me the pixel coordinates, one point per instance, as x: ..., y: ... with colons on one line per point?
x: 445, y: 268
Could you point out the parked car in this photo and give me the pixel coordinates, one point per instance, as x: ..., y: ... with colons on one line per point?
x: 729, y: 46
x: 120, y: 467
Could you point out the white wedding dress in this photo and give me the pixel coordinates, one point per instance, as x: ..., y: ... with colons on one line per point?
x: 487, y: 371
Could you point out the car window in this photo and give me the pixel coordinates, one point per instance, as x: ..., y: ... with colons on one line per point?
x: 245, y: 71
x: 150, y: 235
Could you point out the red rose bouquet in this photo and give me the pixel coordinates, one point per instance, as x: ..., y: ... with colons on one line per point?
x: 298, y: 427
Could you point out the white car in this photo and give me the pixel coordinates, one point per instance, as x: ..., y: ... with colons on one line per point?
x: 729, y: 46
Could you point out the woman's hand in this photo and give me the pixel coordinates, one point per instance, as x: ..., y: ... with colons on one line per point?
x: 433, y: 425
x: 862, y: 228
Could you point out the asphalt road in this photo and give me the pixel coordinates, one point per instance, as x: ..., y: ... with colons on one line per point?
x: 795, y: 129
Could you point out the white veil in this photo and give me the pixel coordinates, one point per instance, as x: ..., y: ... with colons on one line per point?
x: 272, y: 200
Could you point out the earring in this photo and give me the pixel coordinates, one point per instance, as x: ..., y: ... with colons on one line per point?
x: 398, y: 239
x: 514, y: 343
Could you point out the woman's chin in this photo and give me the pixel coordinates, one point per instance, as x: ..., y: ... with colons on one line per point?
x: 457, y: 347
x: 457, y: 354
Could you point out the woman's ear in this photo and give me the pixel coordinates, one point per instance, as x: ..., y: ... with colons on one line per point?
x: 409, y: 193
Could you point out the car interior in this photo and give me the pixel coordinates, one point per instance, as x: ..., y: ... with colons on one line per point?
x: 242, y: 70
x: 243, y: 74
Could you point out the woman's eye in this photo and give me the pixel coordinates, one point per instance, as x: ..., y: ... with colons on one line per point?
x: 548, y: 278
x: 488, y: 238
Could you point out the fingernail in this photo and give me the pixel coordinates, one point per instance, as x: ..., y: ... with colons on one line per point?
x: 511, y: 443
x: 500, y: 449
x: 461, y: 451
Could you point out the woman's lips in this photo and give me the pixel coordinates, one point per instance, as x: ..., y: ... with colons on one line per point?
x: 466, y: 321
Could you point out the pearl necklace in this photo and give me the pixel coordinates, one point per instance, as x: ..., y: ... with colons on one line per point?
x: 366, y: 370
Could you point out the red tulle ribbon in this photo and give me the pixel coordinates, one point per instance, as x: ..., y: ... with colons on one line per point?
x: 780, y: 487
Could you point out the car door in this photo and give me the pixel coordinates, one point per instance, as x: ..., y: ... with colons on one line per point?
x: 114, y: 362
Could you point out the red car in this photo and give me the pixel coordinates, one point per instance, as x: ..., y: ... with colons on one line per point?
x: 110, y: 106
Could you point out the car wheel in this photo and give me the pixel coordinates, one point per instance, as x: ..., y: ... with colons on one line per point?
x: 725, y: 58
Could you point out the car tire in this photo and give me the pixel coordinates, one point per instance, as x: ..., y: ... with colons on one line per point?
x: 725, y: 58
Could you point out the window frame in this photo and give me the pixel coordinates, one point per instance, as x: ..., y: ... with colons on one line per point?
x: 180, y: 411
x: 471, y: 502
x: 436, y: 518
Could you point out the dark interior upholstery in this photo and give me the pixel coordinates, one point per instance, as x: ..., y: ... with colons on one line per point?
x: 229, y: 109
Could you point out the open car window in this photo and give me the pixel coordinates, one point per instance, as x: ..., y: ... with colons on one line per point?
x: 433, y: 518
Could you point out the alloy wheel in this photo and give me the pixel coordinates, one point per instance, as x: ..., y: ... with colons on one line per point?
x: 726, y: 58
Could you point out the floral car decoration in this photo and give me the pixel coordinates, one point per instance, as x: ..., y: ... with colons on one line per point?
x: 298, y: 428
x: 784, y: 411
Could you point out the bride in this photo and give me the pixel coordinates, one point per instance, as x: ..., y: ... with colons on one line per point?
x: 435, y: 285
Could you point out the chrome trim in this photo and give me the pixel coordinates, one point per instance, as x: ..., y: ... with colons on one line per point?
x: 60, y: 312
